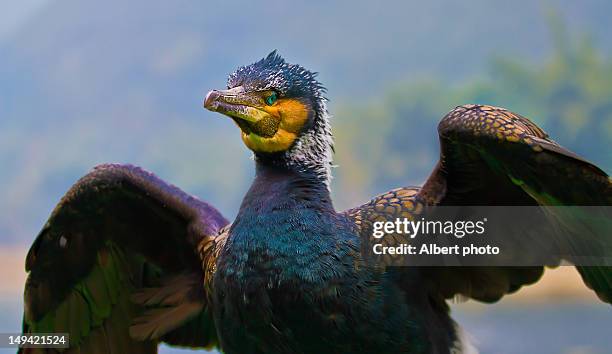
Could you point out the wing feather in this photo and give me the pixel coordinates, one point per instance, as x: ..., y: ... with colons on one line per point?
x: 492, y: 157
x: 117, y: 231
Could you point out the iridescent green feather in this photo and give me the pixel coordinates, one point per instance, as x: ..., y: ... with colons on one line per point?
x: 92, y: 300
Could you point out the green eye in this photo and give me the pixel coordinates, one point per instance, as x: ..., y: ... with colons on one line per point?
x: 271, y: 99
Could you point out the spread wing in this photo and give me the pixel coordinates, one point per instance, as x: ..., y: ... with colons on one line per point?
x: 492, y: 157
x: 119, y: 265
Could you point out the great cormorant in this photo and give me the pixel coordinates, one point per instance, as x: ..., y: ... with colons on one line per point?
x: 127, y: 261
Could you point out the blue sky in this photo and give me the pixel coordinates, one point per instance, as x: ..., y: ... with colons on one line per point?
x: 15, y: 13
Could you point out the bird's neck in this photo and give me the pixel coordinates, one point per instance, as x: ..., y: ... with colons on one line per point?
x: 297, y: 187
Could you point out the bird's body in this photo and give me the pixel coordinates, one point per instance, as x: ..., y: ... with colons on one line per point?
x: 287, y: 280
x: 127, y: 261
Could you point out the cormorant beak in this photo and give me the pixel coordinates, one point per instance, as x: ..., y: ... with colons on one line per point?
x: 235, y: 103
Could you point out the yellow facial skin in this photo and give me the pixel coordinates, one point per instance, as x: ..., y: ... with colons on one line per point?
x: 264, y: 128
x: 291, y: 114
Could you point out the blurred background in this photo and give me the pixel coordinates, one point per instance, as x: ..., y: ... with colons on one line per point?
x: 84, y: 82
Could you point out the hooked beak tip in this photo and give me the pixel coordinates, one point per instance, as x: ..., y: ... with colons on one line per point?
x: 211, y: 98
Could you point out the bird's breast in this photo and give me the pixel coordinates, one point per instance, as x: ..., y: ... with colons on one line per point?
x: 282, y: 246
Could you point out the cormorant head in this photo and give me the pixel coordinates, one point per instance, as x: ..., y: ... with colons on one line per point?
x: 280, y: 110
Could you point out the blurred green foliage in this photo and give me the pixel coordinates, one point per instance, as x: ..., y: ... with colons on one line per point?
x: 391, y: 140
